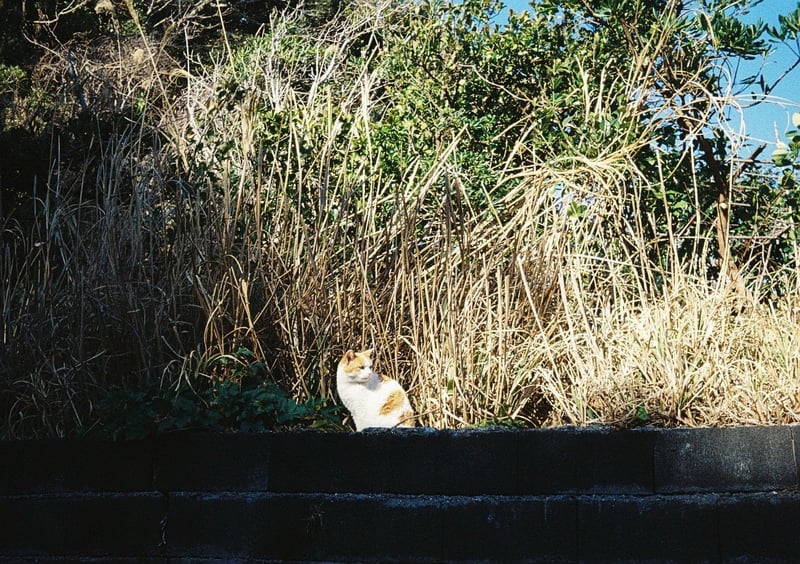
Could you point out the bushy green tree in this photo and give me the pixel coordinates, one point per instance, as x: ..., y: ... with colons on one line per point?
x: 583, y: 79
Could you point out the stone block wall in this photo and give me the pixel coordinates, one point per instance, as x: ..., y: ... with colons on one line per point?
x: 419, y: 495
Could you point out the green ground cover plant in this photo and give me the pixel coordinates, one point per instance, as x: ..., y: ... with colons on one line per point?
x: 550, y: 220
x: 244, y: 400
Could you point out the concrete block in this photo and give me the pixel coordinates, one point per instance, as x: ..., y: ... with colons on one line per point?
x: 384, y: 528
x: 331, y: 527
x: 92, y: 560
x: 796, y: 448
x: 463, y: 462
x: 227, y: 526
x: 85, y: 525
x: 510, y: 529
x: 403, y: 461
x: 411, y: 495
x: 195, y: 461
x: 75, y: 465
x: 760, y: 527
x: 647, y: 528
x: 311, y: 462
x: 724, y: 460
x: 585, y: 460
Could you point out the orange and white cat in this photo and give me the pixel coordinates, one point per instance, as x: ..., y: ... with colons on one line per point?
x: 373, y: 400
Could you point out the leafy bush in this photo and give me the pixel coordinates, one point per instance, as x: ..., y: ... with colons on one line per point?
x: 244, y: 403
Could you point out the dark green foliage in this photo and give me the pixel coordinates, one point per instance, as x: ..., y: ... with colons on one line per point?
x: 244, y: 401
x: 246, y: 405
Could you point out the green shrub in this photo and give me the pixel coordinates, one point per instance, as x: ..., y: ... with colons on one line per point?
x: 243, y: 403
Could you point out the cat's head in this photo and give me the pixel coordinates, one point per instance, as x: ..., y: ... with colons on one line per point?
x: 356, y: 366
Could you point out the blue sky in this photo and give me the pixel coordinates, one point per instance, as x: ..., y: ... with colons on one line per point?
x: 761, y: 121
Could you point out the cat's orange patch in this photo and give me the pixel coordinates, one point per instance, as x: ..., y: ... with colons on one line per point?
x: 393, y: 402
x: 353, y: 362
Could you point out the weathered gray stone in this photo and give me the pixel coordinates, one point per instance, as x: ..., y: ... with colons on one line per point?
x: 648, y: 528
x: 75, y: 465
x: 760, y: 527
x: 510, y: 529
x: 192, y: 461
x: 76, y: 525
x: 411, y: 495
x: 593, y: 460
x: 327, y: 527
x: 724, y: 460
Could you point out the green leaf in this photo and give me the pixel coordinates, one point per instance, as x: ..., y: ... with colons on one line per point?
x: 576, y: 210
x: 780, y: 156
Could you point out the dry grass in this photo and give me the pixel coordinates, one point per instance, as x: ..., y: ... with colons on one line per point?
x: 296, y: 248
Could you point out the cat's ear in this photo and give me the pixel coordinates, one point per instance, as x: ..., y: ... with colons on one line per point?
x: 349, y: 355
x: 368, y: 353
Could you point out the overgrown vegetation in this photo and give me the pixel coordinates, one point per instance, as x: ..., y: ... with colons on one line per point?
x: 245, y: 400
x: 543, y: 222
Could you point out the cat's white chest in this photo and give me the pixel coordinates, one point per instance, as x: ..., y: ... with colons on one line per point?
x: 364, y: 401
